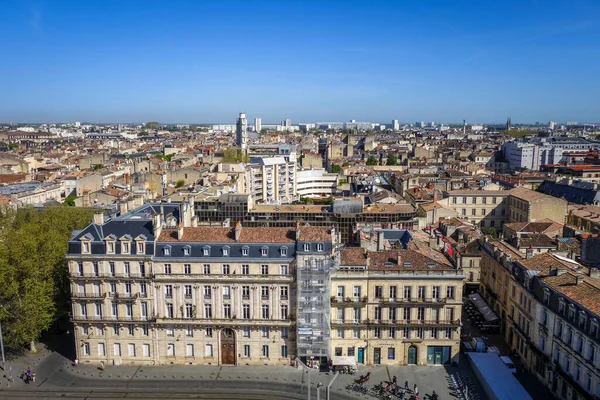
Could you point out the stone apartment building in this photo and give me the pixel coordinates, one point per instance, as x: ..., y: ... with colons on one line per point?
x: 526, y: 205
x: 393, y: 307
x: 152, y: 287
x: 486, y: 208
x: 549, y: 316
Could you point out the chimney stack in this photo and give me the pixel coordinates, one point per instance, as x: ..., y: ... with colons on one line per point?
x: 194, y: 221
x: 123, y: 207
x: 238, y: 231
x: 380, y: 240
x: 579, y: 279
x: 98, y: 217
x: 156, y: 225
x: 180, y: 231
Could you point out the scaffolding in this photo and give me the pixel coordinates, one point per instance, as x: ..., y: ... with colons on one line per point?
x: 313, y: 323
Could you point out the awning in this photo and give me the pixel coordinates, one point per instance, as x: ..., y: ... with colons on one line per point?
x: 343, y: 360
x: 483, y: 308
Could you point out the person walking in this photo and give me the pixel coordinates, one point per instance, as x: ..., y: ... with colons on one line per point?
x: 76, y: 362
x: 101, y: 365
x: 405, y: 385
x: 33, y: 377
x: 416, y: 389
x: 395, y: 381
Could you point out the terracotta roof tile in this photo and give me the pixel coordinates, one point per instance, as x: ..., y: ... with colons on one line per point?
x: 352, y: 256
x: 210, y: 234
x: 587, y: 293
x: 314, y: 234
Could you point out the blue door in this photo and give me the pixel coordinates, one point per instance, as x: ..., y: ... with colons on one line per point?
x: 361, y: 355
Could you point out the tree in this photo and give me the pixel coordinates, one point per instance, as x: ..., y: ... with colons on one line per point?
x: 336, y: 169
x: 98, y: 167
x: 180, y: 183
x: 34, y: 285
x: 490, y: 232
x: 70, y: 201
x: 372, y: 161
x: 391, y: 160
x: 234, y: 155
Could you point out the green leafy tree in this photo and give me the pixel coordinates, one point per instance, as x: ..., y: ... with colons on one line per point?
x: 391, y: 160
x: 98, y: 167
x: 70, y: 201
x: 372, y: 161
x: 234, y: 155
x: 490, y: 232
x: 180, y: 183
x: 34, y: 286
x: 336, y: 169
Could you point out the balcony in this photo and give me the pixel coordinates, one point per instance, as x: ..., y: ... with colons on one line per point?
x: 567, y: 377
x: 399, y: 323
x: 217, y: 322
x: 263, y: 297
x: 188, y: 296
x: 348, y: 301
x: 111, y: 318
x: 94, y: 275
x: 245, y: 297
x: 123, y: 296
x: 414, y: 301
x: 232, y: 277
x: 88, y: 296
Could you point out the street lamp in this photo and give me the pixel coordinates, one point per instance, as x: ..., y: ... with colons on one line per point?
x: 319, y: 390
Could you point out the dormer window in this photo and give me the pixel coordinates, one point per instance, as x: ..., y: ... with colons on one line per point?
x: 167, y: 251
x: 245, y: 251
x: 283, y: 251
x: 206, y: 250
x: 582, y: 319
x: 306, y: 247
x: 85, y: 247
x: 110, y: 247
x: 561, y: 306
x: 319, y: 246
x: 125, y: 248
x: 546, y: 296
x: 264, y: 251
x: 226, y: 251
x: 571, y: 315
x: 187, y: 250
x: 140, y: 247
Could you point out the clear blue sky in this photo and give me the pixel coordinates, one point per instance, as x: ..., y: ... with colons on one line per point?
x: 204, y: 61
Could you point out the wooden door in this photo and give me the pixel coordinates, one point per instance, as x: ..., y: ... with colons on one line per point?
x: 228, y: 347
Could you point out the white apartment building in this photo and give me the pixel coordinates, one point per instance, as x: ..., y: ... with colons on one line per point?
x: 272, y: 179
x: 315, y: 183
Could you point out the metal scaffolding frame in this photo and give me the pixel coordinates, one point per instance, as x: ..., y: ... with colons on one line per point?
x: 313, y: 305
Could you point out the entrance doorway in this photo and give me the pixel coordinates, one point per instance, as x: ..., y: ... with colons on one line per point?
x: 412, y: 354
x: 227, y: 347
x: 377, y: 355
x: 361, y: 355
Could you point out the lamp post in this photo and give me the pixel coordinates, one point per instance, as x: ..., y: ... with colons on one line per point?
x: 319, y: 390
x: 2, y: 349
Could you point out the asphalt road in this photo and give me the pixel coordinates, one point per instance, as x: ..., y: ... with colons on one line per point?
x: 139, y: 394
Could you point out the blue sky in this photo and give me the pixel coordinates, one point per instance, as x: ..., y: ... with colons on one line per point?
x: 204, y: 61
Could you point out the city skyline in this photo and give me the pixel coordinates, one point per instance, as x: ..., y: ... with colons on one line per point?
x: 309, y: 61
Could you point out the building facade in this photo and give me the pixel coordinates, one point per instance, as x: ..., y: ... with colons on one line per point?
x: 151, y: 287
x: 395, y: 307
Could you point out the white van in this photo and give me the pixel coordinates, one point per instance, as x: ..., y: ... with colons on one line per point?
x: 509, y: 364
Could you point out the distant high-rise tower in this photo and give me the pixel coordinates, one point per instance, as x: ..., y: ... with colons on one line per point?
x: 241, y: 132
x: 508, y: 124
x: 257, y: 124
x: 395, y: 125
x: 287, y: 123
